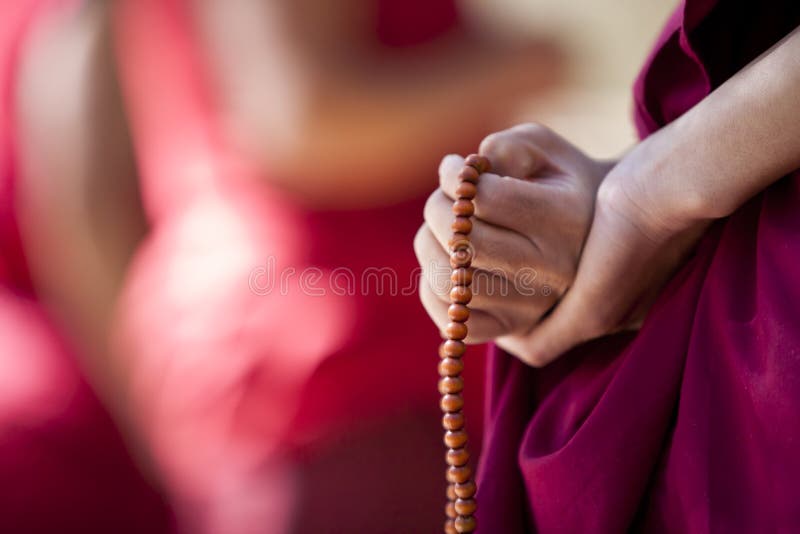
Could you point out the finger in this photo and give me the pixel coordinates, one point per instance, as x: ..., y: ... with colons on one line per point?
x: 548, y: 340
x: 482, y: 326
x: 531, y: 150
x: 582, y: 314
x: 518, y: 151
x: 492, y: 294
x: 449, y: 168
x: 491, y: 291
x: 515, y: 204
x: 496, y: 250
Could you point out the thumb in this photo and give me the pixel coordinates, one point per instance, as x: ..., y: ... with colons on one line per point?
x: 514, y: 155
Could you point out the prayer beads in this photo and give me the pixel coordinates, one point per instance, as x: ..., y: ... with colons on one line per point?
x: 461, y: 505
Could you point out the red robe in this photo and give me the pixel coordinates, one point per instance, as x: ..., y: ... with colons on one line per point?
x: 693, y: 424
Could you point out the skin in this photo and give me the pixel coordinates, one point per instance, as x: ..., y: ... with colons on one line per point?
x: 313, y: 94
x: 651, y: 208
x: 527, y: 231
x: 333, y: 116
x: 305, y: 99
x: 78, y: 201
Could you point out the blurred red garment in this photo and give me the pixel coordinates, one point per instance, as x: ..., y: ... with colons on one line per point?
x: 63, y: 464
x: 265, y: 398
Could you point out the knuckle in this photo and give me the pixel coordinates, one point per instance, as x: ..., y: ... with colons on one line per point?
x: 535, y: 360
x: 476, y: 335
x: 531, y: 356
x: 422, y: 245
x: 439, y: 321
x: 535, y: 131
x: 496, y: 145
x: 427, y: 210
x: 433, y: 302
x: 449, y: 164
x: 489, y: 143
x: 418, y: 239
x: 432, y: 206
x: 609, y: 193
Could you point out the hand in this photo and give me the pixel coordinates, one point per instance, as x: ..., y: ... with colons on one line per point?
x: 633, y: 248
x: 532, y: 216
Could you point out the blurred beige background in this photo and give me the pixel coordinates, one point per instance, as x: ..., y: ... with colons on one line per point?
x: 607, y: 41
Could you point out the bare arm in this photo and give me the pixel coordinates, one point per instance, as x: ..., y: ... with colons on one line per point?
x: 732, y: 145
x: 79, y: 203
x: 655, y: 204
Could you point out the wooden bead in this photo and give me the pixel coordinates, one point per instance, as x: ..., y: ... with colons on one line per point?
x: 459, y: 475
x: 452, y: 403
x: 450, y: 510
x: 466, y: 524
x: 479, y: 163
x: 456, y: 457
x: 453, y: 421
x: 465, y: 490
x: 461, y: 489
x: 452, y: 349
x: 463, y: 208
x: 455, y: 440
x: 461, y: 276
x: 450, y: 367
x: 466, y: 506
x: 461, y: 258
x: 462, y: 225
x: 468, y: 174
x: 460, y: 295
x: 450, y: 385
x: 456, y: 330
x: 458, y: 241
x: 466, y: 190
x: 458, y: 313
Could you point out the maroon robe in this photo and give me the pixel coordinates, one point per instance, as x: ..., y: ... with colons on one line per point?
x: 693, y: 424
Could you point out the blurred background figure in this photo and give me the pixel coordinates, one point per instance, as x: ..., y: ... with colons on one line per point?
x: 67, y: 226
x: 305, y: 134
x: 207, y: 211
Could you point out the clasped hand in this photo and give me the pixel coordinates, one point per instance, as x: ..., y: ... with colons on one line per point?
x: 566, y: 248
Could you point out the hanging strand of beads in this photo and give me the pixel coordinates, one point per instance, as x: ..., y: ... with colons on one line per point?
x: 461, y: 505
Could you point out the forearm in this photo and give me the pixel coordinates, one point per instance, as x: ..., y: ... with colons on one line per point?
x: 733, y: 144
x: 79, y: 208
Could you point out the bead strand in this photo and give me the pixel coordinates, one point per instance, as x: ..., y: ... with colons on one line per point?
x: 461, y: 505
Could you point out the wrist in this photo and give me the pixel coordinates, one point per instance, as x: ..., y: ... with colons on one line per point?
x: 663, y: 180
x: 640, y: 190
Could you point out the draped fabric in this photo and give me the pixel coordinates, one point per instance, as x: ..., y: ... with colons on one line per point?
x: 693, y: 424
